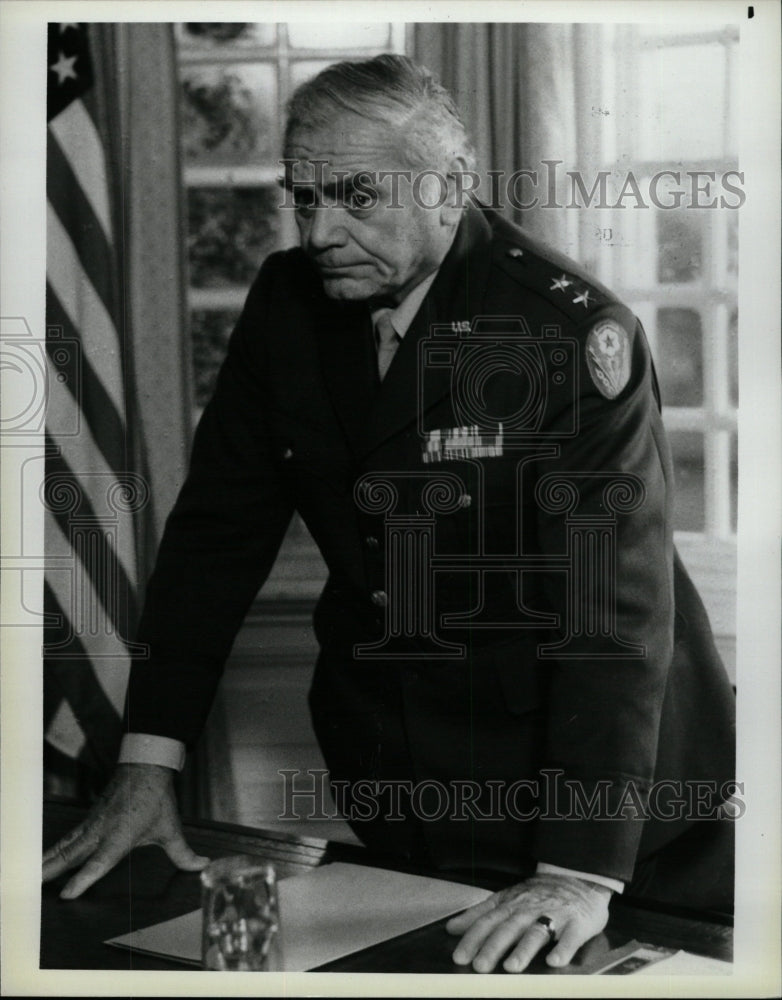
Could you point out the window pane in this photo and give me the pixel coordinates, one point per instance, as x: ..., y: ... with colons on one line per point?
x: 682, y: 102
x: 212, y: 36
x: 733, y: 358
x: 209, y: 332
x: 689, y: 497
x: 680, y: 357
x: 679, y: 246
x: 231, y: 231
x: 306, y: 35
x: 229, y: 113
x: 307, y: 68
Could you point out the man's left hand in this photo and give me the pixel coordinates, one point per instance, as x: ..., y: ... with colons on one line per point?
x: 507, y: 920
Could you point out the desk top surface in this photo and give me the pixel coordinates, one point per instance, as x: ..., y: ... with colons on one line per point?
x: 146, y: 888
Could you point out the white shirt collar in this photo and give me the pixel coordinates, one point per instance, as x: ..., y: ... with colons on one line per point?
x: 404, y: 314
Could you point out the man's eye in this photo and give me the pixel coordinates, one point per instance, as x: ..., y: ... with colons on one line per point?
x: 360, y: 200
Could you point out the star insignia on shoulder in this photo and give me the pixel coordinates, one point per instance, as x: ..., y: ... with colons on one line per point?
x: 582, y: 299
x: 560, y: 284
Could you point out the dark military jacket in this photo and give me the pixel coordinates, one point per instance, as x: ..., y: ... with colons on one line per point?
x: 505, y: 616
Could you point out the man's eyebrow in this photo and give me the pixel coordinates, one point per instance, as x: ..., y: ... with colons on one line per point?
x: 343, y: 187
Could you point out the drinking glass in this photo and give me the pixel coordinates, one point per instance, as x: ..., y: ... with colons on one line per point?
x: 241, y: 929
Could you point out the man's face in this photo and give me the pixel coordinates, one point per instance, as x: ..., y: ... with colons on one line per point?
x: 362, y: 250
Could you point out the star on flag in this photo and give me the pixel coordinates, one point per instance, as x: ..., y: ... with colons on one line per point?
x: 64, y: 68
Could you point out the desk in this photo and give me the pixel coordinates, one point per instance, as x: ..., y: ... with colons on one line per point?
x: 146, y: 889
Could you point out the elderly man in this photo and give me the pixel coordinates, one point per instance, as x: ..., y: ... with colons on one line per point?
x: 470, y: 427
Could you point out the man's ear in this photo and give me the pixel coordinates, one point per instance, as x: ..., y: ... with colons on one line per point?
x: 459, y: 181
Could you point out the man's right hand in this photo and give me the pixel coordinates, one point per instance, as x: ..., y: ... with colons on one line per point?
x: 137, y: 807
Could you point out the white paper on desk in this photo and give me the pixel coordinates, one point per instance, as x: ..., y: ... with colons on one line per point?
x: 326, y: 914
x: 684, y: 963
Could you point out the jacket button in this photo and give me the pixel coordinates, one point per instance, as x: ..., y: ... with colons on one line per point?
x: 465, y: 500
x: 379, y: 598
x: 372, y: 542
x: 288, y: 453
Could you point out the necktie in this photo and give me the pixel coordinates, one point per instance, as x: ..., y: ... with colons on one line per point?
x: 387, y: 341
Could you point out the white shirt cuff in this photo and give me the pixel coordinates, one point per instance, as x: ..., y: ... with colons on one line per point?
x: 612, y: 883
x: 144, y: 748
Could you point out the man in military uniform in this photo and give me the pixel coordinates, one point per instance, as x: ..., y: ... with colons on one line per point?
x: 470, y: 427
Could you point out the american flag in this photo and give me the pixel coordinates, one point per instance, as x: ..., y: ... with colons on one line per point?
x: 91, y: 493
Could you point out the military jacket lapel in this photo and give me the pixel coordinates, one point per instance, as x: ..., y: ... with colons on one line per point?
x: 349, y: 363
x: 455, y: 297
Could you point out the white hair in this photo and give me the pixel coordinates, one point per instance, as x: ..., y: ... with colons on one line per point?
x: 388, y: 90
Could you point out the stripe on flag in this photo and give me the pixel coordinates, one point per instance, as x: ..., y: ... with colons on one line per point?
x: 87, y: 594
x: 81, y: 145
x: 75, y: 374
x: 74, y: 682
x: 64, y: 732
x: 95, y: 483
x: 84, y: 308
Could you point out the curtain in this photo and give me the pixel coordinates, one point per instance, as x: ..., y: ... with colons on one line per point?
x: 517, y: 86
x: 155, y: 264
x: 137, y: 81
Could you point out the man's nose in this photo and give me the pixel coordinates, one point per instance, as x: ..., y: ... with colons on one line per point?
x: 326, y: 228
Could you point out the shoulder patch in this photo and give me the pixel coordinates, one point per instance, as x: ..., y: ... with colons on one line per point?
x: 608, y: 357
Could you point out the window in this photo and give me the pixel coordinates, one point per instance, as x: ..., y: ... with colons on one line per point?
x: 668, y: 99
x: 673, y: 127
